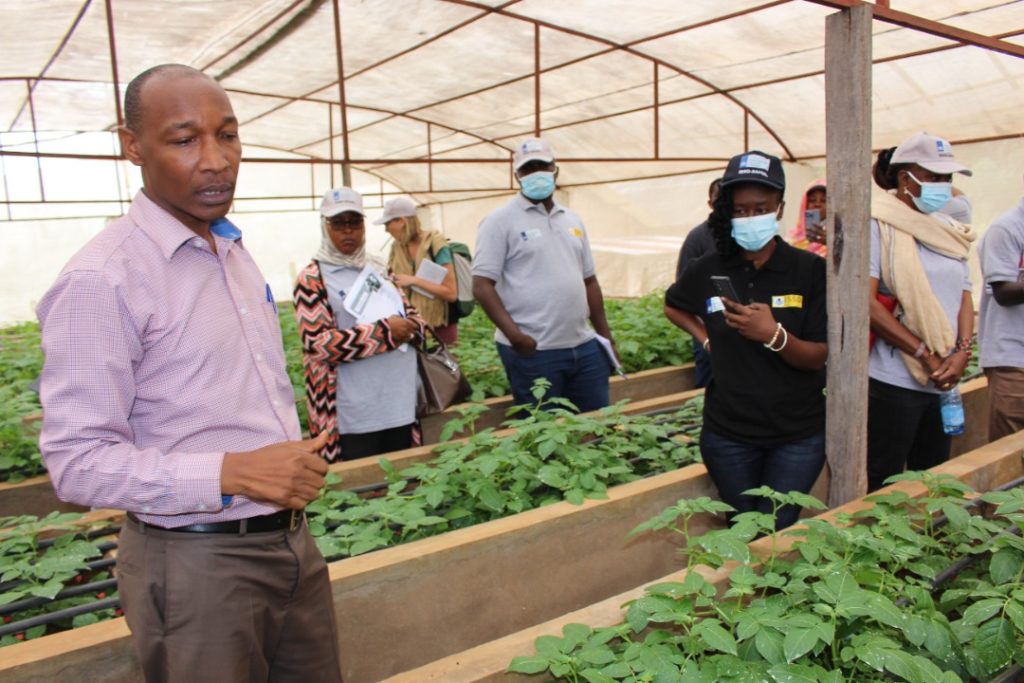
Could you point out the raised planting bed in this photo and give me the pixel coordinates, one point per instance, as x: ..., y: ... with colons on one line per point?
x: 35, y: 495
x: 405, y: 593
x: 896, y: 591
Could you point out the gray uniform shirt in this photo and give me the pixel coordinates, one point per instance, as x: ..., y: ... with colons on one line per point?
x: 1001, y: 328
x: 949, y: 279
x: 374, y: 393
x: 538, y: 262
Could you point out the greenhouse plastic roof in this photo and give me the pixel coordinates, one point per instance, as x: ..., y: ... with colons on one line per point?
x: 438, y: 91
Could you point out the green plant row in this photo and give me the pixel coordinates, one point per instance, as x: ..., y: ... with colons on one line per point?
x: 858, y: 600
x: 31, y: 567
x: 557, y: 455
x: 553, y: 455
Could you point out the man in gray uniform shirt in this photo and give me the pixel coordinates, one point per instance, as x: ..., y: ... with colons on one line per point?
x: 1001, y: 322
x: 533, y: 274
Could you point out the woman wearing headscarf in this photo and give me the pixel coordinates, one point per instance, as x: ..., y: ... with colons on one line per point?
x: 918, y: 257
x: 757, y: 305
x: 413, y: 244
x: 806, y: 235
x: 360, y: 377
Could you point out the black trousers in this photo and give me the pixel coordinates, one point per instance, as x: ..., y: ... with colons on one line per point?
x: 904, y: 430
x: 374, y: 443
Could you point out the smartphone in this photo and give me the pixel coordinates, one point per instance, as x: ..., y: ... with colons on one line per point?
x: 723, y: 287
x: 812, y: 216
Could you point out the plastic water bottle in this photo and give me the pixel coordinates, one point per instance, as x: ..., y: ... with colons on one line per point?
x: 952, y: 408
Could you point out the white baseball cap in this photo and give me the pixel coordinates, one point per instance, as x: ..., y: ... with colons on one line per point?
x: 339, y: 200
x: 399, y: 207
x: 532, y: 149
x: 929, y: 152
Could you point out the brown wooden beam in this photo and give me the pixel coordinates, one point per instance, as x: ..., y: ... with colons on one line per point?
x: 848, y: 143
x: 883, y: 12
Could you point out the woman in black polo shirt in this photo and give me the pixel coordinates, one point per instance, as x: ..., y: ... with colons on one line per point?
x: 764, y: 411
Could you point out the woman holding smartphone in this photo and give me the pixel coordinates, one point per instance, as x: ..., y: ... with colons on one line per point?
x: 764, y: 411
x: 809, y: 232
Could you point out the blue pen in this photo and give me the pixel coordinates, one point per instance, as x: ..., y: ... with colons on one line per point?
x: 270, y: 298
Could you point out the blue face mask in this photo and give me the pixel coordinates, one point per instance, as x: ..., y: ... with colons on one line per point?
x: 538, y: 185
x: 933, y: 197
x: 753, y: 232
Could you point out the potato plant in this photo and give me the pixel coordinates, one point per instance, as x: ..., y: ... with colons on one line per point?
x: 869, y: 598
x: 53, y: 576
x: 554, y: 454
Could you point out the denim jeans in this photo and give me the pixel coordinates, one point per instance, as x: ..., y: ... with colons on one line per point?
x: 735, y: 467
x: 579, y: 374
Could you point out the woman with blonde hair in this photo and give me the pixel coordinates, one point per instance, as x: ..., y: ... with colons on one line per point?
x: 413, y: 244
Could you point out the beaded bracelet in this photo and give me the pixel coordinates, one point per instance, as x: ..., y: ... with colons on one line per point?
x: 785, y: 338
x: 778, y: 329
x: 706, y: 342
x: 964, y: 344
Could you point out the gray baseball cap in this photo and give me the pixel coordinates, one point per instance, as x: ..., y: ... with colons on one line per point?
x: 929, y: 152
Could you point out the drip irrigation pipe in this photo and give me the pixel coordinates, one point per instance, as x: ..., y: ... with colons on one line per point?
x: 72, y: 592
x: 59, y: 615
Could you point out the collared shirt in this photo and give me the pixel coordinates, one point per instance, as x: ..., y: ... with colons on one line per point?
x: 160, y: 357
x: 1001, y: 328
x: 755, y: 396
x: 538, y: 261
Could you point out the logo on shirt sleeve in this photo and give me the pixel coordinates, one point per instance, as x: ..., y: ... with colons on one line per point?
x: 715, y: 304
x: 576, y: 232
x: 788, y: 301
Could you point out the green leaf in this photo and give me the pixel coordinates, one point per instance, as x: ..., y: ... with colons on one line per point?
x: 769, y: 644
x: 1006, y: 564
x: 596, y: 655
x: 528, y: 665
x: 47, y: 590
x: 550, y: 646
x: 574, y: 635
x: 981, y: 611
x: 575, y: 496
x: 636, y: 617
x: 716, y: 637
x: 593, y: 676
x: 1015, y: 611
x: 995, y: 644
x: 794, y: 673
x: 798, y: 642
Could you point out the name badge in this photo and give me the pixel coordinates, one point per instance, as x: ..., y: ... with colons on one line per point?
x: 788, y: 301
x: 715, y: 304
x: 532, y: 234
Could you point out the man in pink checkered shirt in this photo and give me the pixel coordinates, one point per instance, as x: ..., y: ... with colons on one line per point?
x: 165, y: 394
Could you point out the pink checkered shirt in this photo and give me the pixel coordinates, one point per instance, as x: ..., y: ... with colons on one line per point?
x: 160, y: 357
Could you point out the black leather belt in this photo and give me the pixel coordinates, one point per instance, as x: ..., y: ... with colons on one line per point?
x: 285, y: 519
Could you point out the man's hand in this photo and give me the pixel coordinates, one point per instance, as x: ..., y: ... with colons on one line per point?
x: 289, y: 474
x: 524, y: 344
x: 402, y: 329
x: 755, y: 322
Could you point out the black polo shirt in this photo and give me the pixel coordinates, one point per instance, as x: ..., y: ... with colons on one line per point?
x: 755, y: 396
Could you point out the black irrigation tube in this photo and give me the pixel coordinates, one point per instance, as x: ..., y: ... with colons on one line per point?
x: 59, y: 615
x: 72, y: 592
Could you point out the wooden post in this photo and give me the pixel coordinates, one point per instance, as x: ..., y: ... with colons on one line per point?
x: 848, y: 169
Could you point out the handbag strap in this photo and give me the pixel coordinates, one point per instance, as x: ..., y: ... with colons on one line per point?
x: 437, y: 337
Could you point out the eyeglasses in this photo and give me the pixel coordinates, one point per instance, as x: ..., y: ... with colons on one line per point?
x: 345, y: 225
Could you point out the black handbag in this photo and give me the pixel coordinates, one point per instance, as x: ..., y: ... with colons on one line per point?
x: 441, y: 382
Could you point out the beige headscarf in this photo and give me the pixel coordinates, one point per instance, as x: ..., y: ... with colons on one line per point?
x: 434, y: 310
x: 900, y: 228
